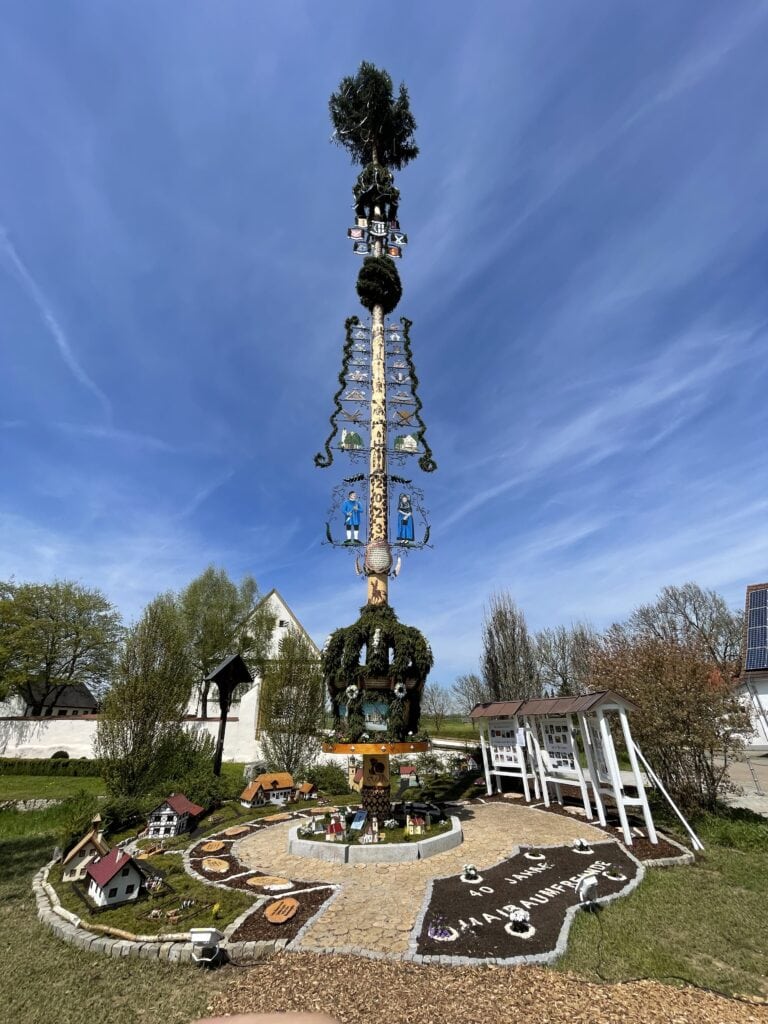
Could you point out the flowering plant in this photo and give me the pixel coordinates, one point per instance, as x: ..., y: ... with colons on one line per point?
x: 520, y: 917
x: 352, y: 692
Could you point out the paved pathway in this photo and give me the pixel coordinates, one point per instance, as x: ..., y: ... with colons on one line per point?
x: 377, y: 906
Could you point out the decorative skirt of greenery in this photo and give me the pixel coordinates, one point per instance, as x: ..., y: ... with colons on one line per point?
x: 378, y: 283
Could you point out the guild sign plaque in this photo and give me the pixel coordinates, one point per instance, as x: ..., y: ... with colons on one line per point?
x: 378, y: 228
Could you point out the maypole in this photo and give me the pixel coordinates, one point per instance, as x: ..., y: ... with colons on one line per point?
x: 375, y: 669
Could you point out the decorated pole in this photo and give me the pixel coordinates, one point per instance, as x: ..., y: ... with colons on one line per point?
x: 375, y: 669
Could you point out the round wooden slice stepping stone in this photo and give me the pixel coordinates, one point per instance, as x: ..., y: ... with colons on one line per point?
x: 265, y: 881
x: 277, y: 817
x: 236, y: 830
x: 212, y: 847
x: 322, y: 810
x: 216, y: 865
x: 281, y: 910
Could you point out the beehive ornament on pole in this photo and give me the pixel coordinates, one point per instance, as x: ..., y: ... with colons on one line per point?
x: 376, y: 668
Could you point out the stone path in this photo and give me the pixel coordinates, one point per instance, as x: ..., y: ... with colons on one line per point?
x: 378, y: 903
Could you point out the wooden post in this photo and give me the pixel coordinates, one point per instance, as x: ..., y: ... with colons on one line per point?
x: 378, y: 480
x: 613, y: 769
x: 486, y: 752
x: 594, y: 775
x: 649, y: 826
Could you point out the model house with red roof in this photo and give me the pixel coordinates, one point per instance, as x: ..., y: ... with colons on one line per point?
x: 113, y: 879
x: 409, y: 773
x: 92, y: 845
x: 172, y: 817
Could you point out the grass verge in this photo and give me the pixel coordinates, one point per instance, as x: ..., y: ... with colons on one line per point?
x: 48, y: 787
x: 45, y: 981
x: 704, y: 923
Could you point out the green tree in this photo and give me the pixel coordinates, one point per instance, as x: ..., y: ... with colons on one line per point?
x: 371, y: 123
x: 509, y: 666
x: 54, y: 635
x: 143, y: 709
x: 223, y: 618
x: 292, y: 706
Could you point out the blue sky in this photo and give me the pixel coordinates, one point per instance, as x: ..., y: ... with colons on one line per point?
x: 586, y: 274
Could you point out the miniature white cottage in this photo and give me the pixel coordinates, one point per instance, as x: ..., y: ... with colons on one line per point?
x: 80, y: 856
x: 113, y: 879
x: 275, y: 788
x: 173, y: 817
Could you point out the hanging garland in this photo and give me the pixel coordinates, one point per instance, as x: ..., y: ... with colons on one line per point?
x: 378, y: 283
x: 426, y: 461
x: 379, y: 631
x: 375, y: 187
x: 320, y: 460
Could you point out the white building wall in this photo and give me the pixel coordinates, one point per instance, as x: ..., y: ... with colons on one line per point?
x: 754, y: 692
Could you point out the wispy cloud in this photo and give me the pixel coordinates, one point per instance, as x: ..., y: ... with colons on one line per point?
x: 63, y: 346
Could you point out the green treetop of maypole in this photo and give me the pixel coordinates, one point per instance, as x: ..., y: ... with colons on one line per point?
x: 373, y: 126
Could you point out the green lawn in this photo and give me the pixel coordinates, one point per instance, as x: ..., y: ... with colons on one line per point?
x: 704, y: 923
x: 46, y: 981
x: 213, y: 906
x: 48, y: 787
x: 452, y: 728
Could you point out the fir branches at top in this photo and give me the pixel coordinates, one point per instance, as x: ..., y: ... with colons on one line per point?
x: 370, y: 123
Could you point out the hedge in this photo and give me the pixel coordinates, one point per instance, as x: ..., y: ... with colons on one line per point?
x: 74, y: 766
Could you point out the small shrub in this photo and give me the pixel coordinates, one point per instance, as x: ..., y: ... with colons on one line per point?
x: 60, y: 754
x: 329, y: 778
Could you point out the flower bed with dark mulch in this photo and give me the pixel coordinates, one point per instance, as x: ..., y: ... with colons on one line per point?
x: 642, y: 847
x: 476, y: 916
x: 235, y: 868
x: 257, y: 928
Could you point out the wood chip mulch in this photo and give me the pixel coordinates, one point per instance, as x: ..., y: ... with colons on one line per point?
x: 478, y: 913
x: 235, y: 868
x: 256, y: 927
x: 354, y: 990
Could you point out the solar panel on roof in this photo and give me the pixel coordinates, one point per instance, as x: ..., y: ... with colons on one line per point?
x: 757, y: 631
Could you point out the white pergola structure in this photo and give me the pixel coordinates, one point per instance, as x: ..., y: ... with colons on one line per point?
x: 541, y: 742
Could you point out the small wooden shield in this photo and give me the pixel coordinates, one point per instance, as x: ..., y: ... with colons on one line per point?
x: 281, y: 910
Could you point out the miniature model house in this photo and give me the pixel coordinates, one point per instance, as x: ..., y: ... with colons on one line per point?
x: 409, y: 773
x: 80, y: 856
x: 306, y: 791
x: 334, y: 833
x: 173, y: 817
x: 113, y: 879
x: 274, y: 788
x: 416, y: 826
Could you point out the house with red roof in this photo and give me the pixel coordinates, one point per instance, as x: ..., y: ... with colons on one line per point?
x: 172, y: 817
x: 113, y: 879
x: 80, y: 856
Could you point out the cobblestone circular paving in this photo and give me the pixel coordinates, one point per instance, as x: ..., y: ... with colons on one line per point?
x: 377, y: 904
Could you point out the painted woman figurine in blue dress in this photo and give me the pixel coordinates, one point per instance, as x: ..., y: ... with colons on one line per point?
x: 404, y: 519
x: 351, y: 509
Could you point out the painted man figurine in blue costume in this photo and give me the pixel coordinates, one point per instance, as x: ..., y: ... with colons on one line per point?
x: 351, y: 509
x: 404, y: 520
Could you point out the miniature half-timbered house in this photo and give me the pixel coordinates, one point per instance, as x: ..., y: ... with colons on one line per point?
x: 275, y: 788
x: 334, y: 832
x: 409, y: 773
x: 113, y: 879
x: 172, y: 817
x: 80, y: 856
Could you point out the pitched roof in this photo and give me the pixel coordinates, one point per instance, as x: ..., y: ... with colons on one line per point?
x: 307, y: 787
x: 102, y: 871
x: 267, y: 782
x: 68, y: 695
x: 181, y: 805
x: 92, y: 836
x: 408, y: 769
x: 551, y: 705
x: 231, y: 670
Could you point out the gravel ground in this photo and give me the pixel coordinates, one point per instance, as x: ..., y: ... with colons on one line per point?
x: 354, y: 990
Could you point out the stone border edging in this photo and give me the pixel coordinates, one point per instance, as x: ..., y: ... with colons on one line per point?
x: 387, y: 853
x: 67, y: 926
